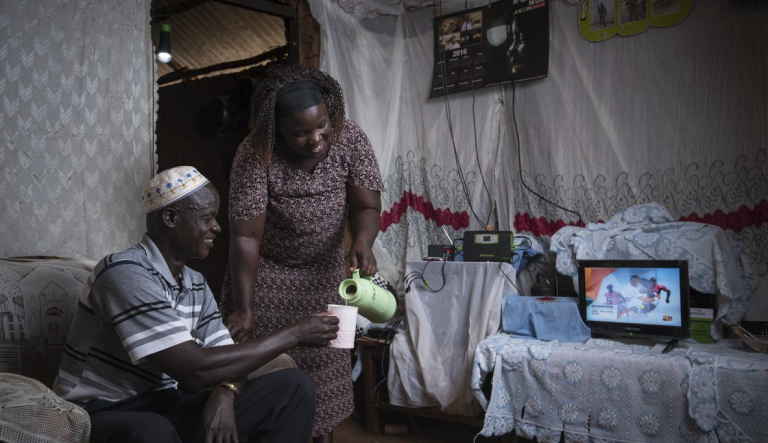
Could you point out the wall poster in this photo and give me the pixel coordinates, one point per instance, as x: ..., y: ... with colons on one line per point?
x: 499, y: 43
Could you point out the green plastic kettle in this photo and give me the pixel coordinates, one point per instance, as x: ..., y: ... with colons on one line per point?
x: 373, y: 302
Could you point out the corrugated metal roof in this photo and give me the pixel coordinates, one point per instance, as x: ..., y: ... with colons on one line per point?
x: 214, y: 33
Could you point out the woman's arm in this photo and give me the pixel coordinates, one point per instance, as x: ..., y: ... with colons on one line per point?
x: 365, y: 222
x: 245, y: 239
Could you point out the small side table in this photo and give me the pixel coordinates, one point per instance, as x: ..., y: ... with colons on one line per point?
x: 371, y: 352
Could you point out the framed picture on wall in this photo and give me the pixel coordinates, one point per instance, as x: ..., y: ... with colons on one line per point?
x: 602, y: 19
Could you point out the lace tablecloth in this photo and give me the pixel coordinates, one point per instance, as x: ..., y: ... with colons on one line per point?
x: 608, y: 391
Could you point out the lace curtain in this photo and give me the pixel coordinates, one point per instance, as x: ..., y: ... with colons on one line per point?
x: 76, y: 123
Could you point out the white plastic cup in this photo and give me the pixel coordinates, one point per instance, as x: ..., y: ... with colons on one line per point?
x: 347, y: 323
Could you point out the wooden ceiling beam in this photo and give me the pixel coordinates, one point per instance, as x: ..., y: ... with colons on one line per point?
x: 166, y: 12
x: 263, y: 6
x: 180, y: 75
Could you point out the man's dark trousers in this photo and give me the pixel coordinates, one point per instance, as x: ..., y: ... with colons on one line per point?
x: 276, y: 407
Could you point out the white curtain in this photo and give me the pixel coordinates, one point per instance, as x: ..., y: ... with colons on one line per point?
x: 674, y: 115
x: 76, y: 125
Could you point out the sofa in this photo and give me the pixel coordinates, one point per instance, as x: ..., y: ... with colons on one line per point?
x: 38, y: 298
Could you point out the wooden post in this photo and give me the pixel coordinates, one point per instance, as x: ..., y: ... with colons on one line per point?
x: 306, y: 35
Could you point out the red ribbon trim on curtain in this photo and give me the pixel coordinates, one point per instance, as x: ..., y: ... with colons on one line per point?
x: 539, y: 226
x: 735, y: 221
x: 456, y: 220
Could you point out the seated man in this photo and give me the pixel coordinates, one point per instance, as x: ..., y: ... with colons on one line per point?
x: 147, y: 340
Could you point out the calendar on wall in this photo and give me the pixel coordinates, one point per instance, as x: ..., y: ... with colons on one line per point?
x: 503, y: 42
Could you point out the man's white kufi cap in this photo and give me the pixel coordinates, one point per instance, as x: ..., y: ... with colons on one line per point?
x: 171, y: 185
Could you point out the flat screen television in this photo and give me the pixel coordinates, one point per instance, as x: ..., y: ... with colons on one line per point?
x: 642, y: 298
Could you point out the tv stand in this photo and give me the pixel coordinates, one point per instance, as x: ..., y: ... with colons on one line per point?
x: 670, y: 346
x: 573, y: 390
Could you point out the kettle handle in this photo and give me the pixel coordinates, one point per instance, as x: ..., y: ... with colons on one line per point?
x: 356, y: 275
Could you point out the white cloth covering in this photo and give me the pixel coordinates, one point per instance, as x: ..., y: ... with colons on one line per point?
x: 431, y: 361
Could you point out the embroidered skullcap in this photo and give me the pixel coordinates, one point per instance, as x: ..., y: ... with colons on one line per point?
x: 171, y: 185
x: 297, y: 96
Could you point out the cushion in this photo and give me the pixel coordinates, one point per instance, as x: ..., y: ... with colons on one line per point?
x: 32, y: 413
x: 282, y: 361
x: 38, y: 298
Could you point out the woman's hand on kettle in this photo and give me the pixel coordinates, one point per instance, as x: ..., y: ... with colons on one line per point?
x: 361, y: 257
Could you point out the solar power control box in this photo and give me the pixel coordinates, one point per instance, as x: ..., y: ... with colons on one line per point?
x: 488, y: 246
x: 440, y: 252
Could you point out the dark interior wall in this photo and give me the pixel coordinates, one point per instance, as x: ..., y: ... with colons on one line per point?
x: 188, y: 114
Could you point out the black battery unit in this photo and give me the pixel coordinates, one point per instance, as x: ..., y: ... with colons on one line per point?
x: 488, y: 246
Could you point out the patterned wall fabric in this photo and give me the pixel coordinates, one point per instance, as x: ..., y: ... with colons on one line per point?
x: 76, y: 124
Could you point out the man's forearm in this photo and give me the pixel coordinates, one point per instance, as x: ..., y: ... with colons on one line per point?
x: 212, y: 366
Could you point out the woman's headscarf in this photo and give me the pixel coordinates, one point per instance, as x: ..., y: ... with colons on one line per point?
x: 297, y: 96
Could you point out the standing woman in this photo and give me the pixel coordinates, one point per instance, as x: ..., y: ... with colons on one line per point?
x: 298, y: 174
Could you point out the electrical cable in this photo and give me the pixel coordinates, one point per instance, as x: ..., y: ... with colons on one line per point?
x: 530, y: 243
x: 417, y: 428
x: 520, y: 163
x: 444, y: 72
x: 462, y: 179
x: 510, y: 280
x: 535, y: 261
x: 516, y: 258
x: 474, y: 129
x: 415, y: 276
x: 387, y: 344
x: 477, y: 153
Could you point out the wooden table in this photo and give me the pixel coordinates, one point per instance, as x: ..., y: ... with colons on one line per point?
x: 372, y: 351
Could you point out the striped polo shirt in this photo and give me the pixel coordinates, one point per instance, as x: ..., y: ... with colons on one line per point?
x: 131, y: 307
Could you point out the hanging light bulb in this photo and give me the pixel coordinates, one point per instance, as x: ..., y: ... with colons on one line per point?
x: 164, y: 45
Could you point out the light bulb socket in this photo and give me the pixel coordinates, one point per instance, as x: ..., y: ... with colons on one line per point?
x: 164, y: 44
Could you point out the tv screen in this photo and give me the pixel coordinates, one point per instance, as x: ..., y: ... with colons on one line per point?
x: 644, y: 298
